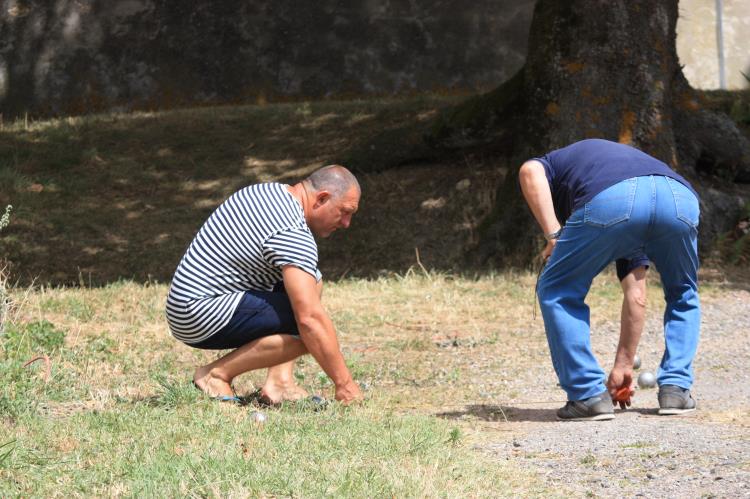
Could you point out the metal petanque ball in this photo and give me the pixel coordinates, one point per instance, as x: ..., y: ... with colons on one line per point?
x: 258, y: 417
x: 636, y: 362
x: 646, y: 380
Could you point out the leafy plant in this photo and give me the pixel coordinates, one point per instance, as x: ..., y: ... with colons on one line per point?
x: 32, y: 337
x: 5, y: 219
x: 4, y: 299
x: 173, y: 392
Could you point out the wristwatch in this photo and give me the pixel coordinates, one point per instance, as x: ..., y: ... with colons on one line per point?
x: 553, y: 235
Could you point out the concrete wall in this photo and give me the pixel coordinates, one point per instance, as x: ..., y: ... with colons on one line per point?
x: 697, y: 45
x: 76, y: 56
x: 69, y: 56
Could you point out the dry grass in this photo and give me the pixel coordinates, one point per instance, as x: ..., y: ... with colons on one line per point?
x: 447, y: 360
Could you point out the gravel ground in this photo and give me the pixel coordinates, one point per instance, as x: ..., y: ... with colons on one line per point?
x: 641, y: 454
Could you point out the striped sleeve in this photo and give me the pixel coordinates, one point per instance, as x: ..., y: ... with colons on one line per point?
x: 293, y: 246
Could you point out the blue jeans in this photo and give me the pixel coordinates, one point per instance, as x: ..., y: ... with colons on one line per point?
x: 655, y: 215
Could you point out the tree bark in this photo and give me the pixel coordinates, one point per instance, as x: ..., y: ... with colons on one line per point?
x: 606, y: 69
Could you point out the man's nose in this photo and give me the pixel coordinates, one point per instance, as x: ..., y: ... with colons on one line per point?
x: 345, y: 221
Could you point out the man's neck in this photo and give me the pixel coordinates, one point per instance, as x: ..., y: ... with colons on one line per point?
x: 300, y: 194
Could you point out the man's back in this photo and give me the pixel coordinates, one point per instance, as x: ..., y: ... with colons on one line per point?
x: 242, y: 246
x: 582, y: 170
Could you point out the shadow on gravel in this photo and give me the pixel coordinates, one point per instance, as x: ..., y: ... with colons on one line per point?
x: 642, y: 411
x: 500, y: 413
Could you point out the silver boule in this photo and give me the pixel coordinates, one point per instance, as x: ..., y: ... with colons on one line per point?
x: 646, y: 380
x: 636, y: 362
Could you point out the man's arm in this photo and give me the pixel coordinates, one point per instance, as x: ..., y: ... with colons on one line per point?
x: 317, y: 331
x: 633, y: 316
x: 632, y: 320
x: 538, y: 196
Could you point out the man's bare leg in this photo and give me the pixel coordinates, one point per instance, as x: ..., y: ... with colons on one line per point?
x: 280, y: 384
x: 215, y: 379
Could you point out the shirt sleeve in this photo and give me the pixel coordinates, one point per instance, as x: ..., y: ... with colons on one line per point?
x: 294, y: 246
x: 546, y: 161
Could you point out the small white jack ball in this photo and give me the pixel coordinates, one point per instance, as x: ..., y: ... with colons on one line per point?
x: 258, y: 417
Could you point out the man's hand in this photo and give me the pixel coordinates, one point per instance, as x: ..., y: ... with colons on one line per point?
x: 348, y: 392
x: 547, y: 251
x: 621, y: 379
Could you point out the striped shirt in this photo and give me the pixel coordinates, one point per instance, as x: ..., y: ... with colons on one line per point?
x: 242, y: 246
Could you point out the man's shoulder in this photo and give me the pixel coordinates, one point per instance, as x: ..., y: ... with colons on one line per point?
x: 272, y: 194
x: 262, y: 189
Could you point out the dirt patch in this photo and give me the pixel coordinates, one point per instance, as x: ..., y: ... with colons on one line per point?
x: 706, y: 454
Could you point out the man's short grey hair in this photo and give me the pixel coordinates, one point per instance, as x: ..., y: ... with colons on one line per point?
x: 335, y: 179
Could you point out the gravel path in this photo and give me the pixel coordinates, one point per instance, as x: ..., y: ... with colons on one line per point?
x: 641, y: 454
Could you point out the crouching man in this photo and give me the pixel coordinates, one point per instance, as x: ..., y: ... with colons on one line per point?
x: 249, y: 281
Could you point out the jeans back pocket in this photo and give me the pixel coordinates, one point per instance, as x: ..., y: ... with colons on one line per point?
x: 685, y: 203
x: 613, y: 205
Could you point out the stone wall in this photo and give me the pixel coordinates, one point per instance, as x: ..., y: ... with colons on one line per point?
x: 75, y: 56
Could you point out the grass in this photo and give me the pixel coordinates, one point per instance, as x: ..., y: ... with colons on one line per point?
x: 108, y: 203
x: 199, y: 448
x: 103, y: 197
x: 118, y: 415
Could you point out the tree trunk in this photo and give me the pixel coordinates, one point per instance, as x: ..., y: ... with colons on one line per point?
x: 606, y: 69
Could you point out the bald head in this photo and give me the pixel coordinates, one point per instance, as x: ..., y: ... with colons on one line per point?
x: 335, y: 179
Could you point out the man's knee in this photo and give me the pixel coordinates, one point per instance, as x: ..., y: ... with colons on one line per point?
x: 636, y: 298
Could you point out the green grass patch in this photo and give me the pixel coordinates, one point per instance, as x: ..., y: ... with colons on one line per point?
x: 118, y: 414
x: 205, y: 449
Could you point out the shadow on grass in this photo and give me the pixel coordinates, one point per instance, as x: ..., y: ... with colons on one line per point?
x: 109, y: 197
x: 499, y: 413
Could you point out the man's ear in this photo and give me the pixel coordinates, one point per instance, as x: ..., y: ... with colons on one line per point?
x: 321, y: 198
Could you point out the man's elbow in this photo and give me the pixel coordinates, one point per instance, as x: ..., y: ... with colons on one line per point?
x: 311, y: 321
x: 528, y: 171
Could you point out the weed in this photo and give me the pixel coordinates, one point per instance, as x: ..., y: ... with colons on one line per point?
x: 455, y: 436
x: 101, y: 344
x: 5, y: 219
x: 173, y: 392
x: 22, y: 340
x: 6, y: 450
x: 588, y: 459
x: 638, y: 445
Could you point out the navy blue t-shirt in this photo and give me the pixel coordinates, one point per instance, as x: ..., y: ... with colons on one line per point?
x: 578, y: 172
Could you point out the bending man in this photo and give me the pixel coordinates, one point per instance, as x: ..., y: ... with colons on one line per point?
x: 615, y: 202
x: 249, y: 281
